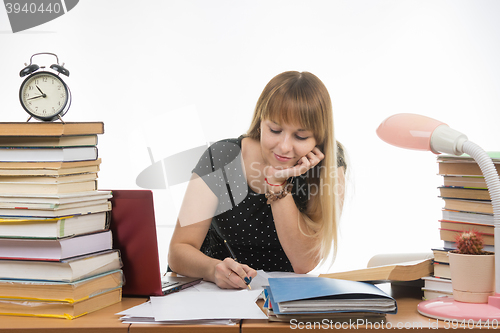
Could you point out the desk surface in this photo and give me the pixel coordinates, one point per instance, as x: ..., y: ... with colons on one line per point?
x: 105, y: 320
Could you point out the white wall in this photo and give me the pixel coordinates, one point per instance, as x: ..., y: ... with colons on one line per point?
x: 135, y: 65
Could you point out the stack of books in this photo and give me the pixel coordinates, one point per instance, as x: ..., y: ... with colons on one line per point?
x: 56, y: 251
x: 311, y: 298
x: 467, y: 203
x: 467, y: 206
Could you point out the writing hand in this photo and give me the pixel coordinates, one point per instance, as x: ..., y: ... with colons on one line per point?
x: 309, y: 161
x: 231, y: 275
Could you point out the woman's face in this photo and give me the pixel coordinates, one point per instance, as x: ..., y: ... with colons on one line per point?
x: 283, y: 145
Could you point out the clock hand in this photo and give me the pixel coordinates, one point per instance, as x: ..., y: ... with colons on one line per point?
x: 41, y: 92
x: 37, y: 97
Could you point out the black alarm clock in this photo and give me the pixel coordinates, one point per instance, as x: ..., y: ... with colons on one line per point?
x: 44, y: 94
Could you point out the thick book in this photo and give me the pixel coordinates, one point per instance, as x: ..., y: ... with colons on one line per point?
x: 441, y: 255
x: 438, y: 284
x: 61, y: 227
x: 48, y: 141
x: 450, y: 235
x: 61, y: 291
x: 60, y: 309
x: 88, y: 207
x: 462, y: 169
x: 55, y: 249
x: 464, y: 193
x: 50, y: 201
x: 48, y: 168
x: 64, y: 154
x: 50, y: 129
x: 41, y: 188
x: 67, y: 270
x: 389, y: 268
x: 464, y: 226
x: 464, y: 164
x: 475, y: 206
x: 307, y: 295
x: 442, y: 270
x: 455, y: 215
x: 430, y: 294
x: 80, y: 177
x: 465, y: 181
x: 26, y: 208
x: 435, y: 287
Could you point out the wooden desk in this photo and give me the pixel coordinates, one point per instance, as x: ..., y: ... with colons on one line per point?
x: 103, y: 320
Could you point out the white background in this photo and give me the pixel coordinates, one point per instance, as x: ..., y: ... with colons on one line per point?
x: 172, y: 75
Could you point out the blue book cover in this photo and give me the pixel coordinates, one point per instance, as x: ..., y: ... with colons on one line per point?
x: 324, y: 295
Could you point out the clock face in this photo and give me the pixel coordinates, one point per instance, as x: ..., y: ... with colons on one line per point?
x: 43, y: 95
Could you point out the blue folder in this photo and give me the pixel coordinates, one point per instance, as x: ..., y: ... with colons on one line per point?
x: 283, y: 290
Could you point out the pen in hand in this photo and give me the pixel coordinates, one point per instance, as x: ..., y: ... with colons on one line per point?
x: 247, y: 279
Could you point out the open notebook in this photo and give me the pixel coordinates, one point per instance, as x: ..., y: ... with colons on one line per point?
x: 134, y: 234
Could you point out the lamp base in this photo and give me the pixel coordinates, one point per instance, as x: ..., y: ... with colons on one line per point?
x: 446, y: 308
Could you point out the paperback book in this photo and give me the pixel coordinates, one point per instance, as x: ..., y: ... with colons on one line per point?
x: 67, y: 270
x: 60, y: 227
x: 55, y: 249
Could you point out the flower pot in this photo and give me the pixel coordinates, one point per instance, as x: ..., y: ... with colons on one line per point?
x: 472, y: 277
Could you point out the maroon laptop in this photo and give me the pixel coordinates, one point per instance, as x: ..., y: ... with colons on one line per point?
x: 134, y: 233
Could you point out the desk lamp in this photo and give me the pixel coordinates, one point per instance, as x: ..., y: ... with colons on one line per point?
x: 418, y: 132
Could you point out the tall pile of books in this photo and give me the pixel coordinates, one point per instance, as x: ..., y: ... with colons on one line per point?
x: 56, y: 253
x: 467, y: 206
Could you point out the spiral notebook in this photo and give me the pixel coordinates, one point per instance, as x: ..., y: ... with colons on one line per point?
x: 134, y: 234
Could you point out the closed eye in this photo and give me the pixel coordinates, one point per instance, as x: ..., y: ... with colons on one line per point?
x: 275, y: 131
x: 301, y: 137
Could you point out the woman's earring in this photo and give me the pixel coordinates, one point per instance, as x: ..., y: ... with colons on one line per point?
x: 258, y: 130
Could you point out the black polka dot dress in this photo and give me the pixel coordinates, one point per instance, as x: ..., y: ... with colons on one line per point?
x: 243, y: 217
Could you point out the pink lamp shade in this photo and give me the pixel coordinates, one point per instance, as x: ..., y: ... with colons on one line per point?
x: 408, y: 130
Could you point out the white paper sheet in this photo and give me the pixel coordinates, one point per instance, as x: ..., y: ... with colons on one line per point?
x: 204, y: 302
x: 207, y: 305
x: 143, y: 314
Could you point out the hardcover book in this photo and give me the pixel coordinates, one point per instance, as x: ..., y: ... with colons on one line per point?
x: 54, y: 249
x: 50, y: 129
x: 65, y: 270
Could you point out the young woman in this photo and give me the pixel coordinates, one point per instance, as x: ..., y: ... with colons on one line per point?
x: 270, y: 198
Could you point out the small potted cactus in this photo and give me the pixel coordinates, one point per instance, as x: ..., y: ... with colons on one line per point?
x: 472, y: 269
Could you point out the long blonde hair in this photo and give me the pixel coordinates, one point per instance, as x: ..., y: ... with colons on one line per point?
x: 301, y: 98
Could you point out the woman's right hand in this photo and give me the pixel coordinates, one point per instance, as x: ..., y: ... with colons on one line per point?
x: 230, y: 274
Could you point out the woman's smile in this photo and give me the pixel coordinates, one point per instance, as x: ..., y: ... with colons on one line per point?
x: 282, y: 159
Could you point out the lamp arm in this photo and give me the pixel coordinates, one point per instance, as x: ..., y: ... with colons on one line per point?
x: 493, y: 183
